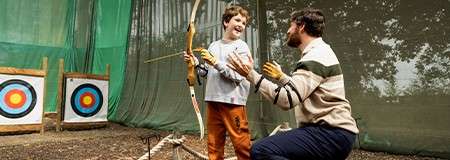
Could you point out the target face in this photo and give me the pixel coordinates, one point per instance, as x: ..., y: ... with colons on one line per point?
x: 17, y: 98
x: 86, y: 100
x: 21, y: 99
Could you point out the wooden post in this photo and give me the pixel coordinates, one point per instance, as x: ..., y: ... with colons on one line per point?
x: 108, y: 70
x: 108, y: 75
x: 45, y: 68
x: 59, y: 95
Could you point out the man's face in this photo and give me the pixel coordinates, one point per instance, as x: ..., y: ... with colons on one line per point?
x: 293, y: 36
x: 235, y: 27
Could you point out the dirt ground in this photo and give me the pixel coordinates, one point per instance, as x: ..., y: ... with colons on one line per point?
x: 120, y: 142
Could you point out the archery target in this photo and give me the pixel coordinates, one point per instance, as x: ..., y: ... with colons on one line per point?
x: 21, y: 99
x: 86, y: 100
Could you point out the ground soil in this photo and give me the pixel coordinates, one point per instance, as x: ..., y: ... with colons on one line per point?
x: 120, y: 142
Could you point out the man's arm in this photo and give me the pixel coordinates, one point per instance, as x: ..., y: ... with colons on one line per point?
x: 229, y: 73
x: 288, y: 93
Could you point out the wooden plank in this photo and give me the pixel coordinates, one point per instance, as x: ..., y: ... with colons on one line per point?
x: 18, y: 128
x: 59, y: 95
x: 85, y: 76
x: 27, y: 72
x: 83, y: 125
x: 45, y: 69
x: 51, y: 115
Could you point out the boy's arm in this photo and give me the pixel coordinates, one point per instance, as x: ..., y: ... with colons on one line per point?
x: 242, y: 50
x: 202, y: 69
x: 221, y: 67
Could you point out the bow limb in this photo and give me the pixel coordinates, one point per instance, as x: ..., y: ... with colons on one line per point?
x: 191, y: 67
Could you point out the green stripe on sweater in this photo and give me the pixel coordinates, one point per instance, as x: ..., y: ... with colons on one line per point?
x: 320, y: 69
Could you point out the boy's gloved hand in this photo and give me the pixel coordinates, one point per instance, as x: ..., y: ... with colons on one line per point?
x: 206, y: 56
x: 273, y: 70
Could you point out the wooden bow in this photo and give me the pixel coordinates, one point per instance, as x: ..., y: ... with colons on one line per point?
x: 191, y: 67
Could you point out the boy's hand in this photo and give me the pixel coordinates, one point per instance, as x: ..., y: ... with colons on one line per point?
x: 206, y: 56
x: 190, y: 58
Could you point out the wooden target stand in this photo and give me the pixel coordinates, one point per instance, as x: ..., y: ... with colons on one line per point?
x: 62, y: 76
x: 27, y: 128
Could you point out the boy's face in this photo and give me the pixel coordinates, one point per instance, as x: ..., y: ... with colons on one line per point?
x: 235, y: 27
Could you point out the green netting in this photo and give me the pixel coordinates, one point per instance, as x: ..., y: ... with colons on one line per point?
x: 87, y: 34
x: 113, y: 21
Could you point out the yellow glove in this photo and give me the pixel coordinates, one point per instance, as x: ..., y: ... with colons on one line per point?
x: 273, y: 70
x: 206, y: 56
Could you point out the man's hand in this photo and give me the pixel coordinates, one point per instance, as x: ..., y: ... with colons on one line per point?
x: 206, y: 56
x: 273, y: 70
x: 190, y: 58
x: 238, y: 64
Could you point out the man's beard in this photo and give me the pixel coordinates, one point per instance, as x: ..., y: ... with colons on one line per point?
x: 294, y: 40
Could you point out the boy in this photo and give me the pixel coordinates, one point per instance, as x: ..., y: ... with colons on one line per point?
x: 226, y: 91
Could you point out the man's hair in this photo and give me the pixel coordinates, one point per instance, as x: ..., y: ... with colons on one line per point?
x: 232, y: 11
x: 312, y: 19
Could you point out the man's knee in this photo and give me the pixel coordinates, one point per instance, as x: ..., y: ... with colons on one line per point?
x: 257, y: 151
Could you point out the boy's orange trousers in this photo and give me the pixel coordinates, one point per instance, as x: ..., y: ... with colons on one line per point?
x: 222, y: 118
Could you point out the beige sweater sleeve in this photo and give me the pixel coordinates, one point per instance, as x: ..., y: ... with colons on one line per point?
x: 302, y: 84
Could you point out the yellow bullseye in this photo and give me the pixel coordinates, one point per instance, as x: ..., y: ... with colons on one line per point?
x: 87, y: 100
x: 15, y: 98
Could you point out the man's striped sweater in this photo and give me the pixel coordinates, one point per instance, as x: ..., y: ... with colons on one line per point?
x: 315, y: 89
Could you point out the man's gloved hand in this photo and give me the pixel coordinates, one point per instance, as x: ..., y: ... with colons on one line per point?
x: 273, y: 70
x: 206, y: 56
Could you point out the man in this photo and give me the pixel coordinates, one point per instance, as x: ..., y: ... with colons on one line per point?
x: 226, y: 91
x: 315, y: 91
